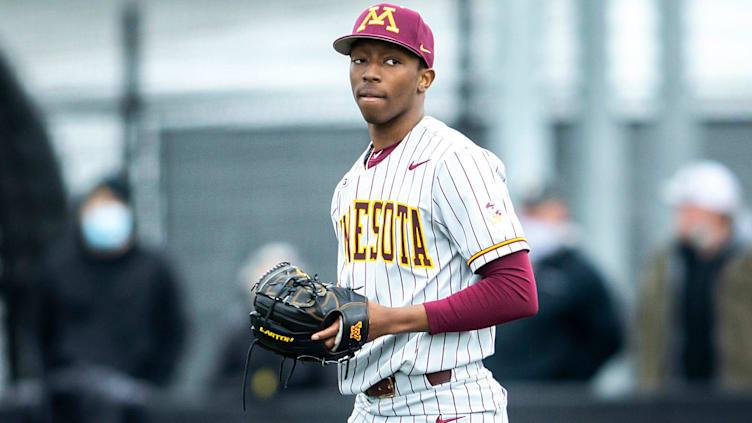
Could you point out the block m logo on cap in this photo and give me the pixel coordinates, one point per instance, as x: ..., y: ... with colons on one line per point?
x: 373, y: 19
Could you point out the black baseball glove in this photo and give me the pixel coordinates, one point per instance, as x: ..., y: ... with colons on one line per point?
x: 290, y: 306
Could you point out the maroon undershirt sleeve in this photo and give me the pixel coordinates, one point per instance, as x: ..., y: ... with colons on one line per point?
x: 507, y: 292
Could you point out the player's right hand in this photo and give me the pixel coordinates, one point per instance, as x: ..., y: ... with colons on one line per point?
x: 328, y: 335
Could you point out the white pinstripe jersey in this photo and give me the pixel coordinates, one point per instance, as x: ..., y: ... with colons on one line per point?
x: 415, y: 228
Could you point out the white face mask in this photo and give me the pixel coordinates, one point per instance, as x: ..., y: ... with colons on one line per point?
x: 545, y: 238
x: 107, y: 227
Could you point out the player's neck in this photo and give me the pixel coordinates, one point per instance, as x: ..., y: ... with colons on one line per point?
x: 392, y: 132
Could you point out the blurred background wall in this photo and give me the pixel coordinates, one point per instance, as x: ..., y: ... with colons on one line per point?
x: 235, y: 117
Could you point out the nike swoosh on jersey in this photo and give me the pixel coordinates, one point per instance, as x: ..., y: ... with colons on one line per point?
x: 439, y: 420
x: 414, y: 165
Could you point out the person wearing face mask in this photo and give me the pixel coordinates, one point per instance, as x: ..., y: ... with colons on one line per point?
x: 577, y: 328
x: 106, y: 225
x: 111, y: 311
x: 684, y: 308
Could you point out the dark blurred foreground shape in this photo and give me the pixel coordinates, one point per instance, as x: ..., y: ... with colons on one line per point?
x: 112, y: 327
x: 32, y: 213
x: 578, y: 327
x: 694, y: 320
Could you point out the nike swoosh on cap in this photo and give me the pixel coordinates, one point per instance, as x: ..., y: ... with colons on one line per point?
x: 413, y: 165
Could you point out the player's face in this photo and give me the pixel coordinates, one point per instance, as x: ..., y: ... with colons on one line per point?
x: 387, y: 80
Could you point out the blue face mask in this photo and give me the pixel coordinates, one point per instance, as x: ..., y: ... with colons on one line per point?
x: 107, y: 227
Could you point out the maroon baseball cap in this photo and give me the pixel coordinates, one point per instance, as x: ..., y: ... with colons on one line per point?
x: 395, y: 24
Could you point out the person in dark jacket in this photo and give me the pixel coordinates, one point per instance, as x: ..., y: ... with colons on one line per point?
x: 577, y: 328
x: 112, y: 320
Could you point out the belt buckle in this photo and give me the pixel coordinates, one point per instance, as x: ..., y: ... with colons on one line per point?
x: 389, y: 389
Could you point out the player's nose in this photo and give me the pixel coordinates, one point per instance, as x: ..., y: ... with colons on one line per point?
x: 371, y: 73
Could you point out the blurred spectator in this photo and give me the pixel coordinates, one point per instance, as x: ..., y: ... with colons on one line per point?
x: 264, y: 367
x: 685, y: 307
x: 734, y: 310
x: 112, y: 323
x: 577, y: 327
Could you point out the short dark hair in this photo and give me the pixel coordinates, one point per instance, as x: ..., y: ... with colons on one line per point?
x: 118, y: 183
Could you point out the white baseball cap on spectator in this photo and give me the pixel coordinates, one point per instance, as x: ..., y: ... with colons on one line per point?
x: 705, y: 184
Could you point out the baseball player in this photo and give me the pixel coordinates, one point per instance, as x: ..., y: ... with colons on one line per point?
x: 427, y: 232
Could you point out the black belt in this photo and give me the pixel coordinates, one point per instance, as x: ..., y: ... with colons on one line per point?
x: 385, y: 387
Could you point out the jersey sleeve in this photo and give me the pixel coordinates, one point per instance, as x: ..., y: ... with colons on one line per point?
x: 334, y: 212
x: 474, y: 208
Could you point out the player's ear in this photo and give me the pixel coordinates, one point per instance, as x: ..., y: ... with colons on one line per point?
x: 425, y: 79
